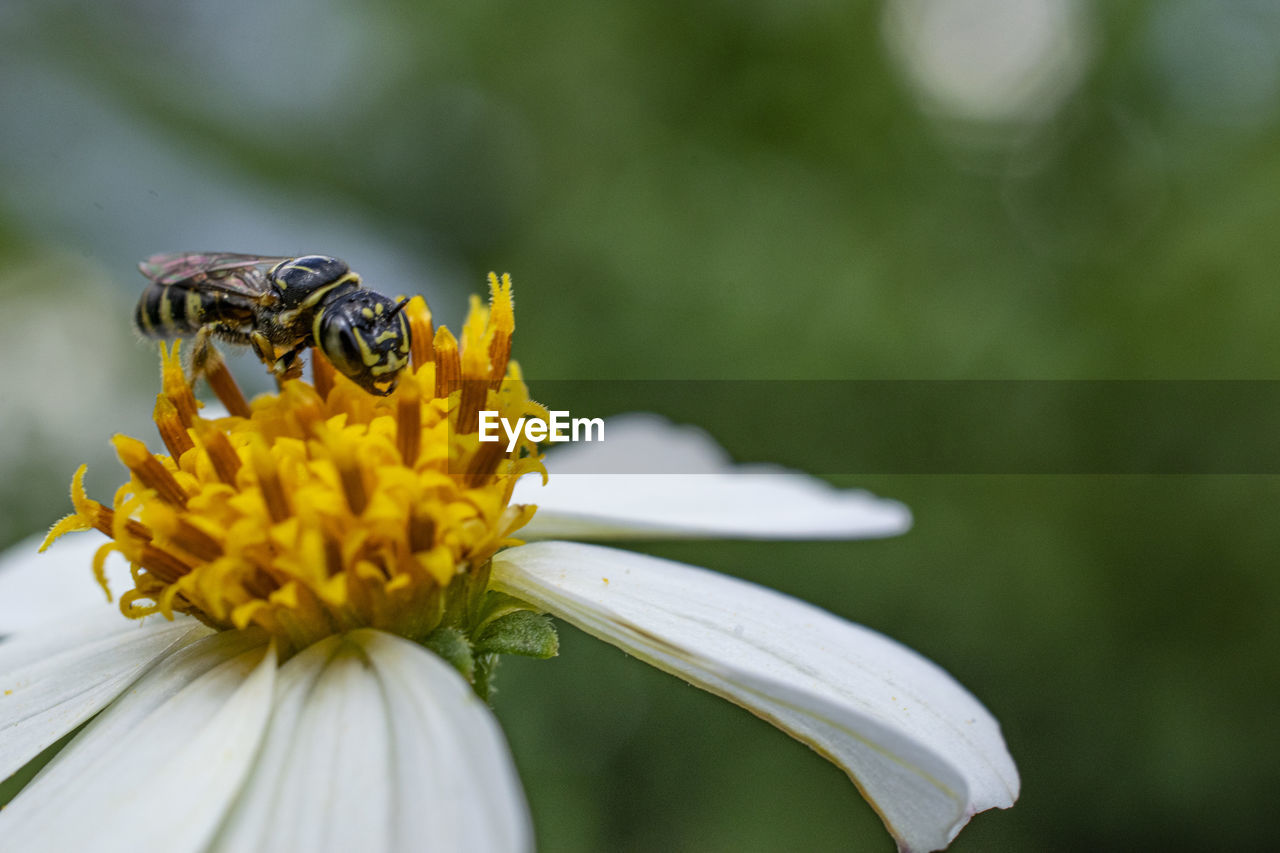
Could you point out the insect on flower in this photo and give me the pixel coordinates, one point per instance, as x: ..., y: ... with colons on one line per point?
x: 337, y: 575
x: 278, y: 306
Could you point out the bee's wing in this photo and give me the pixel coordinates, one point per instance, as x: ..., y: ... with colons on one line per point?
x: 219, y: 270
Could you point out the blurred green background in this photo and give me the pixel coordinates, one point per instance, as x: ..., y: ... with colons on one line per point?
x: 815, y: 189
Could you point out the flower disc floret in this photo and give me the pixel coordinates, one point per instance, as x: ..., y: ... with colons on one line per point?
x: 322, y: 508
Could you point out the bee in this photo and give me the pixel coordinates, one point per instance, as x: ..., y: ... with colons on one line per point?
x: 279, y: 307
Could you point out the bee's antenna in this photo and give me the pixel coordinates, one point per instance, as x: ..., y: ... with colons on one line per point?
x: 399, y: 306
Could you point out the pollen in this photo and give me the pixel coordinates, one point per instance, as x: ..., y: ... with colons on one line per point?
x: 323, y: 508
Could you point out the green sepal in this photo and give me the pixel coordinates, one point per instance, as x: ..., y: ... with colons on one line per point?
x: 486, y: 669
x: 493, y: 607
x: 453, y: 645
x: 520, y: 632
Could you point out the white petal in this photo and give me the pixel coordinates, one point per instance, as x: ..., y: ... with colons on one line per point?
x: 159, y: 768
x: 920, y: 747
x: 53, y: 679
x: 650, y: 479
x: 37, y: 589
x: 451, y: 755
x: 321, y: 781
x: 377, y: 744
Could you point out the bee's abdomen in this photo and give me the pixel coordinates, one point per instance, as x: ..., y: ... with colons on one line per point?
x: 172, y: 311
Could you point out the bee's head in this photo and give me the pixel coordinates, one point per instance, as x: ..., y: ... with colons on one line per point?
x: 366, y: 337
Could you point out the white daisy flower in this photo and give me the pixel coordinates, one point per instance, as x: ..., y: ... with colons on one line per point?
x: 320, y: 585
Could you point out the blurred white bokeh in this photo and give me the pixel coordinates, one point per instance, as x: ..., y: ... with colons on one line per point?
x: 995, y: 62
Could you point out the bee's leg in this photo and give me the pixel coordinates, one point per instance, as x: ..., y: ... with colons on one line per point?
x: 201, y: 347
x: 262, y: 348
x: 203, y: 350
x: 288, y: 366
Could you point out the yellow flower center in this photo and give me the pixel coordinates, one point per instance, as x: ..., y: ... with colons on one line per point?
x: 323, y: 508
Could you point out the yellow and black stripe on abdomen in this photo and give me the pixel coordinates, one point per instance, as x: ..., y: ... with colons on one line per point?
x: 170, y: 311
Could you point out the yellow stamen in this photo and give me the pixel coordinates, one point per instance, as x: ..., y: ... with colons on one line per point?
x: 324, y: 508
x: 503, y: 321
x: 100, y: 566
x: 173, y: 381
x: 91, y: 514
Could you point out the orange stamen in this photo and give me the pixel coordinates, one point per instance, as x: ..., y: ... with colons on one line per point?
x: 421, y: 331
x: 448, y: 363
x: 484, y: 463
x: 273, y: 494
x: 195, y: 541
x: 224, y: 385
x: 149, y: 470
x: 322, y: 373
x: 172, y: 431
x: 223, y: 457
x: 409, y: 424
x: 422, y: 532
x: 165, y: 566
x: 349, y: 473
x: 104, y: 518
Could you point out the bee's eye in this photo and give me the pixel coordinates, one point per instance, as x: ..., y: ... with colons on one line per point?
x: 347, y: 341
x: 340, y: 345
